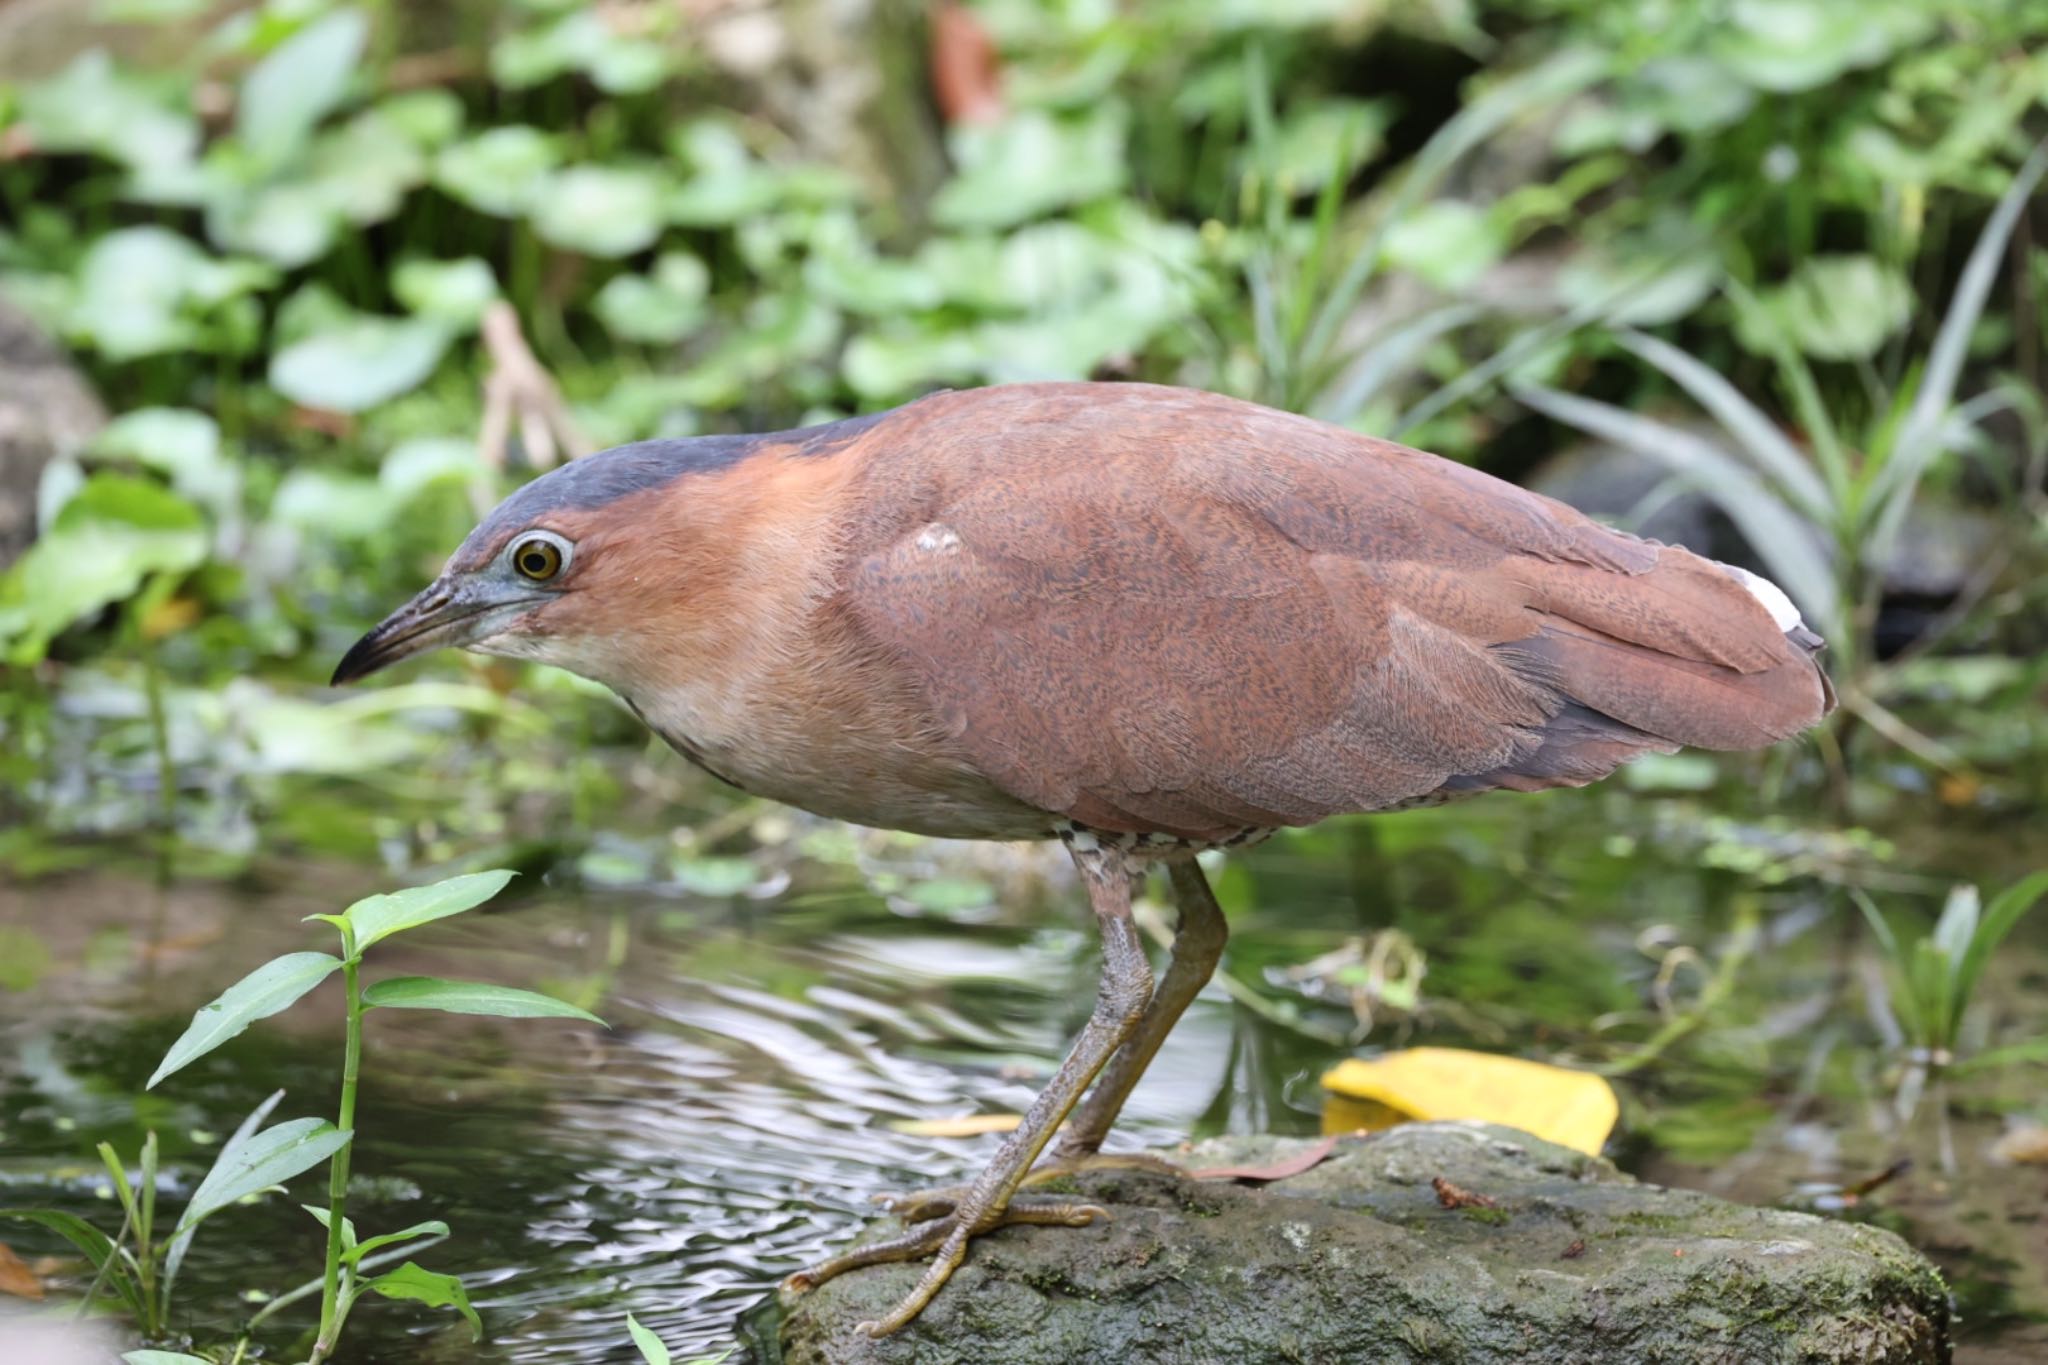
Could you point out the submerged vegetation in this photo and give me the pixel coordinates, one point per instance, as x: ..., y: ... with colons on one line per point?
x: 335, y: 273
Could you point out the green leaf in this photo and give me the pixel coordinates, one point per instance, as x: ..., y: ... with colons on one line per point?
x: 424, y: 462
x: 1919, y: 439
x: 163, y: 1358
x: 91, y: 107
x: 246, y: 1129
x: 658, y: 308
x: 275, y: 986
x: 455, y: 292
x: 1030, y: 164
x: 182, y: 443
x: 1791, y: 45
x: 271, y: 1157
x: 288, y: 224
x: 1447, y: 242
x: 2000, y: 917
x: 378, y: 917
x: 601, y: 210
x: 650, y: 1346
x: 325, y: 1218
x: 299, y: 83
x: 470, y: 997
x: 584, y: 41
x: 430, y: 117
x: 1768, y: 448
x: 1835, y: 307
x: 411, y: 1283
x: 502, y: 171
x: 146, y: 290
x: 433, y: 1227
x: 93, y: 1244
x: 1931, y: 978
x: 114, y: 533
x: 360, y: 363
x: 1957, y: 927
x: 366, y: 167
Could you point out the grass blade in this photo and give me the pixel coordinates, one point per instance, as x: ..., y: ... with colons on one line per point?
x: 1768, y: 448
x: 1387, y: 357
x: 2000, y: 916
x: 1920, y: 437
x: 93, y: 1244
x: 1558, y: 77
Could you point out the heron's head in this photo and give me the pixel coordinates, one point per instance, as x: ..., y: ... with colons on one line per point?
x: 594, y: 565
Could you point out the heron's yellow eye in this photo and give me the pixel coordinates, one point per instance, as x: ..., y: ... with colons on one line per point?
x: 537, y: 559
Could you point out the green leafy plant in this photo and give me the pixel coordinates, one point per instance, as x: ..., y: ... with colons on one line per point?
x: 1932, y: 979
x: 140, y: 1264
x: 1823, y: 523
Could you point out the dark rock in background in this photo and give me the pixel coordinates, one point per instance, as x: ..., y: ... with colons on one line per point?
x: 47, y: 410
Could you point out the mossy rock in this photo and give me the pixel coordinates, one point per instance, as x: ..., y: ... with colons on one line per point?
x: 1358, y: 1260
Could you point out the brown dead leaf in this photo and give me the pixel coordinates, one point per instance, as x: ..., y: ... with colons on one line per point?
x: 967, y: 75
x: 1574, y: 1251
x: 324, y: 421
x: 1458, y: 1197
x: 1305, y: 1160
x: 15, y: 1276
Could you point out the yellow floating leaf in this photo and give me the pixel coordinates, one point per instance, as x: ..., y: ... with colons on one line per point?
x: 2028, y: 1144
x: 966, y: 1125
x: 1571, y: 1108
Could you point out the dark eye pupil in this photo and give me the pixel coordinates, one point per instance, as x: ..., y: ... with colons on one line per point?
x: 538, y: 561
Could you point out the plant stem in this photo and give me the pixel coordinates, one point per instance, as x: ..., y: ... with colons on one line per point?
x: 160, y: 743
x: 331, y: 1310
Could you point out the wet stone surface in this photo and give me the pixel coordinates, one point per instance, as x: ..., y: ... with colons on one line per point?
x: 1358, y: 1259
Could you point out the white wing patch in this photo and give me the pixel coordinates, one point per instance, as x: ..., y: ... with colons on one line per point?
x: 1770, y: 594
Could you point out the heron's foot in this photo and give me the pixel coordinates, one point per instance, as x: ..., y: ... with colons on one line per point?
x: 919, y: 1206
x: 945, y: 1237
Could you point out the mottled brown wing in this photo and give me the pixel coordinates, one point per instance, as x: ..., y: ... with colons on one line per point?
x: 1152, y: 609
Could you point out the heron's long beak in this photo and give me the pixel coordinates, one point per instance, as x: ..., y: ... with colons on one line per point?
x: 449, y: 612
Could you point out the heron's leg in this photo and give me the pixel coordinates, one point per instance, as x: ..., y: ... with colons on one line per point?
x: 1119, y: 1001
x: 1197, y: 947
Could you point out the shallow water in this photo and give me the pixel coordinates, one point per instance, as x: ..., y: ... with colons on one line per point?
x: 734, y: 1122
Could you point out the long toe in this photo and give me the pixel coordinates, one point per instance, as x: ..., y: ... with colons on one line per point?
x: 942, y: 1233
x: 921, y: 1206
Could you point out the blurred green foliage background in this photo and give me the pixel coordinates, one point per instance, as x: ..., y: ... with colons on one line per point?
x: 1723, y: 237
